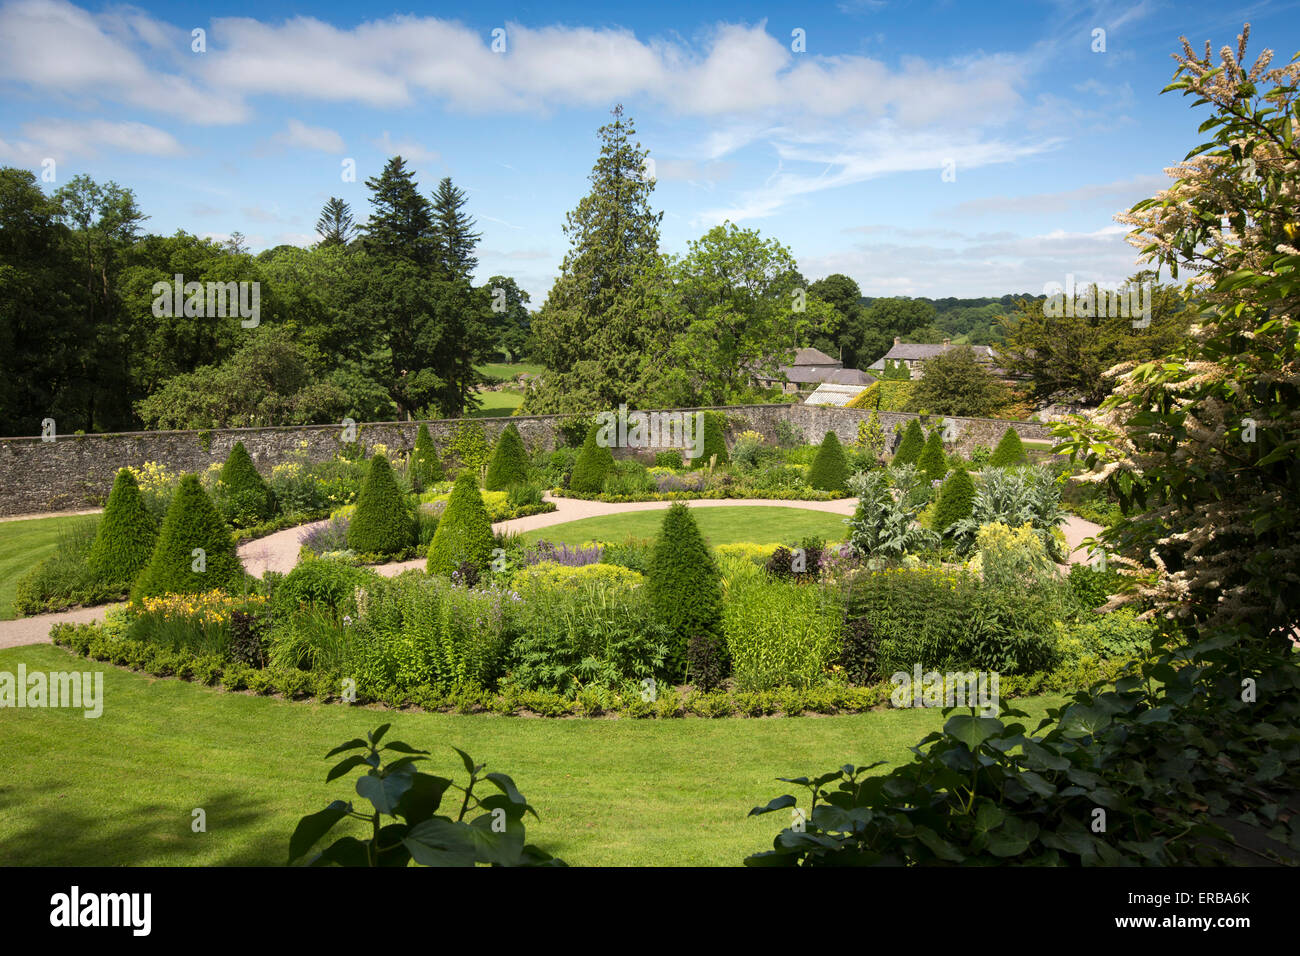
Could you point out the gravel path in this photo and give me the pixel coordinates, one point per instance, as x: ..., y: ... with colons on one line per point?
x: 279, y: 551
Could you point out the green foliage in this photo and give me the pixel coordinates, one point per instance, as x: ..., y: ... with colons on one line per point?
x: 66, y: 578
x: 192, y: 525
x: 910, y: 446
x: 241, y: 494
x: 871, y: 439
x: 509, y: 464
x: 426, y: 466
x: 683, y: 583
x: 1015, y: 497
x: 396, y: 790
x: 932, y: 463
x: 778, y: 632
x: 383, y: 522
x: 829, y: 471
x: 321, y: 581
x: 592, y: 467
x: 464, y: 531
x: 125, y: 537
x: 470, y: 447
x: 714, y: 448
x: 884, y: 526
x: 584, y: 627
x: 957, y: 383
x: 1009, y: 451
x: 956, y: 499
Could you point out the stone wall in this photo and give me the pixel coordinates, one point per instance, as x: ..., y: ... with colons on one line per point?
x: 77, y: 471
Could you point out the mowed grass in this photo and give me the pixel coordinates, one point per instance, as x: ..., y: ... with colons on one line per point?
x: 510, y: 369
x: 121, y: 789
x: 496, y: 404
x: 23, y: 544
x: 719, y: 525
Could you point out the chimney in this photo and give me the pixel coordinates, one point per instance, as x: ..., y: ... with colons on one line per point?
x: 945, y: 341
x: 896, y: 340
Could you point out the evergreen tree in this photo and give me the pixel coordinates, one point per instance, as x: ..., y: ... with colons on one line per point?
x: 601, y: 318
x: 464, y: 530
x: 125, y: 537
x: 195, y: 552
x: 401, y: 225
x: 594, y: 463
x: 335, y: 225
x: 1010, y: 450
x: 830, y: 470
x: 382, y: 522
x: 454, y: 238
x: 683, y: 584
x: 909, y: 449
x: 933, y: 462
x: 509, y: 464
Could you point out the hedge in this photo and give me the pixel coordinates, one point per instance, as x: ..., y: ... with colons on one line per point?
x: 426, y: 466
x: 683, y: 583
x: 244, y: 495
x: 830, y: 470
x: 593, y: 465
x: 1010, y: 450
x: 909, y: 449
x: 464, y: 531
x: 932, y: 462
x: 509, y: 464
x: 125, y: 537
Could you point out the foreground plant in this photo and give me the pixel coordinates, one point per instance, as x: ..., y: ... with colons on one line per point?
x: 396, y: 790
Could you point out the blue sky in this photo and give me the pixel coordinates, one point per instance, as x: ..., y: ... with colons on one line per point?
x: 837, y: 150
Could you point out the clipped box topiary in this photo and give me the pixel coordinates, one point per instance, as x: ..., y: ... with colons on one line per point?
x: 683, y: 584
x: 509, y: 464
x: 382, y: 522
x: 592, y: 467
x: 125, y: 538
x: 244, y: 496
x: 195, y: 552
x: 1010, y: 450
x: 932, y: 462
x: 464, y: 531
x: 426, y: 466
x: 830, y: 470
x: 909, y: 448
x: 956, y: 500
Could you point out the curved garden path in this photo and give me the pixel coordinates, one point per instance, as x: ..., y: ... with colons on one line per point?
x: 279, y: 551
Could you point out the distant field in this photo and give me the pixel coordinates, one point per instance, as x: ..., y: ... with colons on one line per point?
x: 497, y: 403
x: 509, y: 370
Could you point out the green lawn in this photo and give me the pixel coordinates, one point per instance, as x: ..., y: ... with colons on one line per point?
x: 496, y: 404
x: 726, y: 525
x: 121, y: 789
x: 22, y: 545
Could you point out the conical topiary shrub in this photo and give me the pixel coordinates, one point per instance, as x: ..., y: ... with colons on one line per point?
x: 956, y: 500
x: 829, y: 471
x: 509, y: 464
x: 714, y: 446
x: 243, y: 496
x: 464, y: 530
x: 195, y: 552
x: 382, y: 522
x: 125, y: 538
x: 426, y: 466
x: 683, y: 584
x: 1010, y: 450
x: 909, y: 448
x: 932, y: 462
x: 594, y: 463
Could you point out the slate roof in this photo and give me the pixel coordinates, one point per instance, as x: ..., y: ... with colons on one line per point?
x: 919, y: 353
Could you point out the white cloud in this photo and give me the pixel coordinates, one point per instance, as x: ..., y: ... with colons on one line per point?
x: 62, y: 138
x: 407, y: 149
x: 302, y: 136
